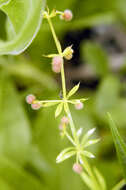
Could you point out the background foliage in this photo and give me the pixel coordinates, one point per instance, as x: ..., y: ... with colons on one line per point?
x: 29, y: 140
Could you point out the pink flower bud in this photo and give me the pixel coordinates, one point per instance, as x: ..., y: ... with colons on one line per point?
x: 56, y: 69
x: 77, y: 168
x: 30, y: 99
x: 67, y: 15
x: 79, y: 106
x: 57, y: 63
x: 36, y: 106
x: 65, y: 120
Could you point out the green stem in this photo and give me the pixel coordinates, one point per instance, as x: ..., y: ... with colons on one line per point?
x: 59, y: 49
x: 119, y: 185
x: 63, y: 78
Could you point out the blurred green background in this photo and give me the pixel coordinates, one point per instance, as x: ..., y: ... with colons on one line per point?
x: 30, y: 140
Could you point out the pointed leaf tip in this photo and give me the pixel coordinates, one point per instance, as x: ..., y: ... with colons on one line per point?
x: 73, y: 90
x: 119, y: 144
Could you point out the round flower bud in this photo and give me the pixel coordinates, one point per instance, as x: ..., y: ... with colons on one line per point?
x: 64, y: 120
x: 56, y: 69
x: 57, y: 63
x: 79, y: 105
x: 67, y: 15
x: 36, y: 106
x: 30, y: 99
x: 77, y: 168
x: 68, y: 53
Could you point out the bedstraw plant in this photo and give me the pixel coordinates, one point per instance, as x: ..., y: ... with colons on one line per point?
x: 79, y: 141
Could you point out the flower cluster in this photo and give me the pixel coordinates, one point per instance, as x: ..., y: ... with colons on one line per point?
x: 31, y: 99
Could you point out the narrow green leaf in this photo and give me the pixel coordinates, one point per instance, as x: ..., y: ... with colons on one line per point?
x: 63, y: 152
x: 88, y: 154
x: 91, y: 142
x: 100, y: 179
x: 87, y: 180
x: 23, y: 23
x: 87, y: 135
x: 119, y: 144
x: 58, y: 109
x: 65, y: 156
x: 73, y: 90
x: 119, y: 185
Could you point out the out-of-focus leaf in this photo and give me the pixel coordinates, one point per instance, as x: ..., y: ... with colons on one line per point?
x: 17, y: 178
x: 23, y: 23
x: 119, y: 144
x: 24, y: 69
x: 87, y: 180
x: 119, y: 113
x: 3, y: 2
x: 15, y: 133
x: 95, y: 56
x: 4, y: 185
x: 107, y: 96
x: 100, y: 179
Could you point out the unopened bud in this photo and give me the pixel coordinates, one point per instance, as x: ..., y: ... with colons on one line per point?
x: 36, y: 106
x: 57, y: 63
x: 79, y: 105
x: 30, y: 99
x: 68, y: 53
x: 67, y: 15
x: 77, y: 168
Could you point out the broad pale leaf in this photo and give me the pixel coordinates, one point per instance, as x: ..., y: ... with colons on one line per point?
x: 15, y: 135
x: 23, y: 22
x: 18, y: 178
